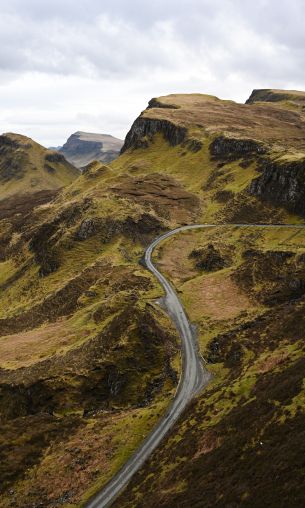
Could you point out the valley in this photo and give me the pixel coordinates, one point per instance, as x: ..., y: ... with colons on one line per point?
x: 256, y: 357
x: 90, y: 360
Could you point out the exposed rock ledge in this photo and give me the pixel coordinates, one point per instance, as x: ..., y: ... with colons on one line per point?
x: 268, y: 95
x: 155, y: 103
x: 282, y: 184
x: 143, y: 129
x: 233, y: 148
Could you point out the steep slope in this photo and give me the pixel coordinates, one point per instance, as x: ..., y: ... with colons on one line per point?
x: 84, y: 147
x: 290, y: 98
x: 239, y: 159
x: 27, y: 167
x: 192, y: 114
x: 89, y: 360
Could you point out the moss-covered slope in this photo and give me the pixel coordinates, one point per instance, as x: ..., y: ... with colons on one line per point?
x: 241, y: 442
x: 88, y: 361
x: 27, y: 167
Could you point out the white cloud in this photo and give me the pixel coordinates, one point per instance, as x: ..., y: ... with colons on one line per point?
x: 93, y: 65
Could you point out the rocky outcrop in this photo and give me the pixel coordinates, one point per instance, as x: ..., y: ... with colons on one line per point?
x: 7, y: 142
x: 155, y: 103
x: 143, y: 130
x: 95, y: 169
x: 55, y: 157
x: 143, y: 228
x: 107, y: 228
x: 43, y: 241
x: 267, y: 95
x: 194, y: 145
x: 271, y: 277
x: 282, y: 184
x: 42, y: 245
x: 86, y: 229
x: 209, y: 259
x: 231, y: 149
x: 12, y: 161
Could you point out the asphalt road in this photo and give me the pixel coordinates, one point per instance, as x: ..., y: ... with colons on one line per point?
x: 193, y: 379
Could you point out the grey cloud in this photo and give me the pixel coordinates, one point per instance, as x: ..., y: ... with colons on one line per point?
x: 115, y: 38
x: 80, y: 56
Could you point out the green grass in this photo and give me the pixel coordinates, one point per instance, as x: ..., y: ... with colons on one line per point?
x: 7, y: 269
x: 30, y: 156
x: 128, y: 432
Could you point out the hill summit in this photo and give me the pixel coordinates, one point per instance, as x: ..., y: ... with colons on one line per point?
x: 27, y: 167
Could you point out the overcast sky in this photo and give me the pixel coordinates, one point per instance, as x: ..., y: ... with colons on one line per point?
x: 68, y: 65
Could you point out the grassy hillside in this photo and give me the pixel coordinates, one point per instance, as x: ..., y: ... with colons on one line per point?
x: 240, y: 443
x: 27, y: 167
x: 279, y: 122
x: 88, y: 359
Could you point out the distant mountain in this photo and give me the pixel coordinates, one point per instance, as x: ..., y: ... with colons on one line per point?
x: 84, y: 147
x: 56, y: 148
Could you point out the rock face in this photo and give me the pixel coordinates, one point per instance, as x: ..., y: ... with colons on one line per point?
x: 272, y: 277
x: 266, y: 95
x: 12, y: 165
x: 83, y: 147
x: 143, y: 129
x: 232, y: 149
x: 107, y: 228
x: 209, y: 259
x: 282, y: 184
x: 155, y: 103
x: 269, y: 95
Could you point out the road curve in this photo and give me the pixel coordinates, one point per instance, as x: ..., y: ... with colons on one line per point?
x: 193, y: 379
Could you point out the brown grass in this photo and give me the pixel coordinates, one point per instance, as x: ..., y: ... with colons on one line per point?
x: 174, y: 259
x: 207, y: 443
x: 67, y: 467
x: 25, y: 348
x: 269, y: 122
x: 162, y: 193
x: 215, y: 297
x: 270, y: 363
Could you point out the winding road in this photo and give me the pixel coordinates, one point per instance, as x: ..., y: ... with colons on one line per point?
x: 194, y: 376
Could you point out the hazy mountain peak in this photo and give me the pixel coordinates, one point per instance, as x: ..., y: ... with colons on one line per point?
x: 81, y: 148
